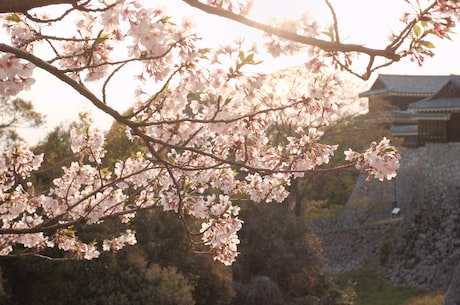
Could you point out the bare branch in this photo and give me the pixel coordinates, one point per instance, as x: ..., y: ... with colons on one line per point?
x: 336, y: 23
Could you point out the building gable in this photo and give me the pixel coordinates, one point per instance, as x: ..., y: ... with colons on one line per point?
x: 451, y: 89
x: 446, y: 99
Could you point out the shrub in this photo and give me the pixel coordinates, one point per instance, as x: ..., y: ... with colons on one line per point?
x: 263, y: 291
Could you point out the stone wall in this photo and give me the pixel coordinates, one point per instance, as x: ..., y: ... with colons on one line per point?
x: 421, y: 246
x: 427, y: 249
x: 351, y: 248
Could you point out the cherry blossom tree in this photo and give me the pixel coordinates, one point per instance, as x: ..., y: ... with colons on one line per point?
x: 200, y: 115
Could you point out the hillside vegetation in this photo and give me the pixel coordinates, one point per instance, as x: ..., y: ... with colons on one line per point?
x: 372, y: 290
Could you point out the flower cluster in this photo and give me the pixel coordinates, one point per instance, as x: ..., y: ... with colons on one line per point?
x: 303, y: 26
x: 117, y: 243
x: 312, y: 153
x: 90, y: 143
x: 379, y: 160
x: 220, y: 232
x: 15, y: 75
x: 237, y: 6
x: 76, y: 196
x: 438, y: 22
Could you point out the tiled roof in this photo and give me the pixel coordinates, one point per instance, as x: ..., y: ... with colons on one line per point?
x: 432, y: 116
x: 407, y: 85
x: 402, y: 116
x: 447, y: 98
x: 404, y: 130
x: 440, y: 104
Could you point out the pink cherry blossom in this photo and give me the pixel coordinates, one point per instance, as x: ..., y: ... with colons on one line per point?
x: 381, y: 160
x: 15, y: 75
x: 117, y: 243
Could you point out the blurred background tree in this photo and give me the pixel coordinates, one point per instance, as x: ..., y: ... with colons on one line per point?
x: 16, y: 114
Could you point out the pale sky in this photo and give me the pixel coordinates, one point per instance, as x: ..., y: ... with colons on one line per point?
x: 61, y: 104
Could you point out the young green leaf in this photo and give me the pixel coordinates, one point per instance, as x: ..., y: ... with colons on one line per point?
x: 417, y: 30
x: 427, y: 44
x: 13, y: 18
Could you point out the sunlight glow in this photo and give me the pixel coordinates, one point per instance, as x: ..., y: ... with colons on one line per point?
x: 357, y: 20
x: 264, y: 12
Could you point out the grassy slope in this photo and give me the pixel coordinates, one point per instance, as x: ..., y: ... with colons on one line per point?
x: 435, y: 298
x: 371, y: 290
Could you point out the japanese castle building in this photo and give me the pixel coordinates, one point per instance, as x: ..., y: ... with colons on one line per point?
x: 427, y: 107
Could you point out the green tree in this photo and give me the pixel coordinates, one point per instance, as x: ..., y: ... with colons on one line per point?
x: 15, y: 114
x: 56, y: 147
x: 164, y: 241
x: 278, y: 244
x: 120, y: 279
x: 263, y: 291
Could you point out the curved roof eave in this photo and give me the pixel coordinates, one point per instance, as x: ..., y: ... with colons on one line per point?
x: 437, y: 109
x: 385, y: 92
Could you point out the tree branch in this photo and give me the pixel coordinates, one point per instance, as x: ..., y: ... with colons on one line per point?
x: 125, y: 120
x: 12, y: 6
x: 66, y: 79
x: 330, y: 46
